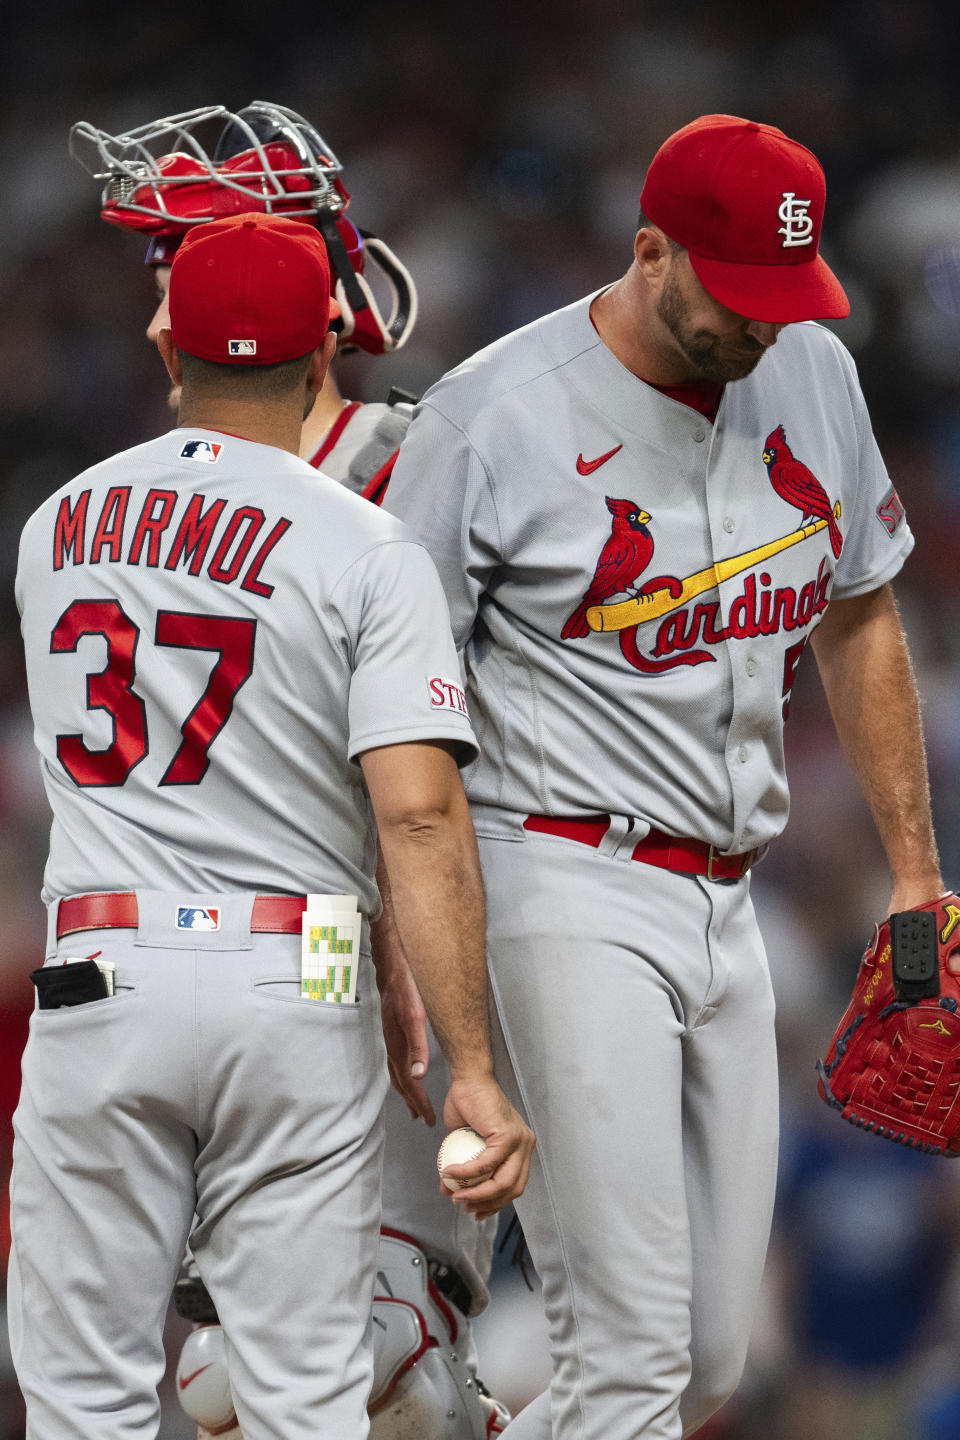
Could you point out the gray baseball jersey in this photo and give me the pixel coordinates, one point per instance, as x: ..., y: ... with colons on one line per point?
x: 677, y: 718
x: 632, y: 587
x: 214, y: 634
x: 167, y: 596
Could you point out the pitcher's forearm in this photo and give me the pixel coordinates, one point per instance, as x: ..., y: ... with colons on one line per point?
x: 865, y: 666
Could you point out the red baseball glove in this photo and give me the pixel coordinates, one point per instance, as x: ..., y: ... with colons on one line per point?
x: 893, y: 1066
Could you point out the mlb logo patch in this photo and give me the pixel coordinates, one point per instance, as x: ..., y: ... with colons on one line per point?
x: 193, y: 917
x: 242, y: 347
x: 206, y: 450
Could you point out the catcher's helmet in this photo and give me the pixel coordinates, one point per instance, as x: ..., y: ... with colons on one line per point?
x: 162, y: 178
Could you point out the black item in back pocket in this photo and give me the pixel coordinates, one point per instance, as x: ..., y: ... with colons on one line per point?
x: 75, y: 984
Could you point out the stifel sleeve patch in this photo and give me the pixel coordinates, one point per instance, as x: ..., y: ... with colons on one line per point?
x: 446, y: 695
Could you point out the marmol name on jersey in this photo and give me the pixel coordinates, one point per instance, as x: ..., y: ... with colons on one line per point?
x: 170, y: 530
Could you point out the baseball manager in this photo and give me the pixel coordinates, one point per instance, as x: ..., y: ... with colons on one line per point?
x: 234, y: 671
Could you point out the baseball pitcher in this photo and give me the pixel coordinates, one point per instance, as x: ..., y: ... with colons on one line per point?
x: 645, y: 508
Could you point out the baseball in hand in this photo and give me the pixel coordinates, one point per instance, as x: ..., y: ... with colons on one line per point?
x: 458, y: 1147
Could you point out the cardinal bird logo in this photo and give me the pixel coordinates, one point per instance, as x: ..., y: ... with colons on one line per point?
x: 626, y: 553
x: 797, y: 485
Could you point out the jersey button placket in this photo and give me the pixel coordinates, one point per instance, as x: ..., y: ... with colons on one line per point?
x: 741, y: 668
x: 720, y: 526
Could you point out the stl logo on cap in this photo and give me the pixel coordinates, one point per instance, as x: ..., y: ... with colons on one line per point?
x: 797, y: 227
x: 715, y: 187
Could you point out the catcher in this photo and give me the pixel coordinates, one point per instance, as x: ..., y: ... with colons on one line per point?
x: 163, y: 179
x: 893, y: 1066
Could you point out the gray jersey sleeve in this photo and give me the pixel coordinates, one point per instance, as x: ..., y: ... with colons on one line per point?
x: 405, y: 684
x: 457, y: 518
x: 878, y: 543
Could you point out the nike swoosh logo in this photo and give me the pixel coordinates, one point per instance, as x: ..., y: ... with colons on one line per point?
x: 587, y: 467
x: 188, y: 1379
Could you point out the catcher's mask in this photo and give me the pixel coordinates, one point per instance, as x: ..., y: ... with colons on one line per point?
x: 161, y: 178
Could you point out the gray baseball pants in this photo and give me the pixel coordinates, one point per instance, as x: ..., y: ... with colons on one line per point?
x: 205, y: 1085
x: 637, y: 1036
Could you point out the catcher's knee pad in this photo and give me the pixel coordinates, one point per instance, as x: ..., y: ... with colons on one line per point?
x: 203, y: 1385
x: 424, y: 1381
x: 425, y: 1385
x: 437, y: 1399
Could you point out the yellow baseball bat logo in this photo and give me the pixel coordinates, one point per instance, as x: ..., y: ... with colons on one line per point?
x: 641, y: 608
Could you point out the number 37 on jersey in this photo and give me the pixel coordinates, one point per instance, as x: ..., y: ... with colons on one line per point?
x: 112, y: 689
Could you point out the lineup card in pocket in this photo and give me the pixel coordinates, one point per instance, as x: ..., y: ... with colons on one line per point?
x: 330, y: 949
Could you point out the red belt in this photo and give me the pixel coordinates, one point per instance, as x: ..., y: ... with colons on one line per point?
x: 272, y: 914
x: 692, y: 857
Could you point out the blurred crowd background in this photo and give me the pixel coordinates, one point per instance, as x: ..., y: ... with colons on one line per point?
x: 501, y: 149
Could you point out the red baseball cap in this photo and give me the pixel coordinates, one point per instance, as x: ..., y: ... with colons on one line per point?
x: 746, y: 202
x: 250, y: 290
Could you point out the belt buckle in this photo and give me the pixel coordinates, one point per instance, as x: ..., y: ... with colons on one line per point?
x: 746, y: 860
